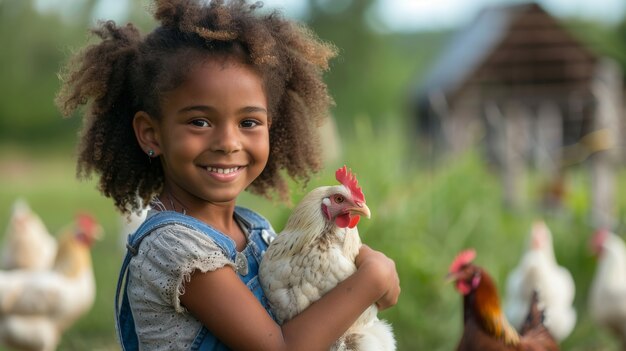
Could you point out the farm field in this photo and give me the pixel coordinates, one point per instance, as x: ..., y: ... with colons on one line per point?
x: 422, y: 215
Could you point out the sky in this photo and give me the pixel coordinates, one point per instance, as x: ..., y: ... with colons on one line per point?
x: 400, y: 15
x: 442, y: 14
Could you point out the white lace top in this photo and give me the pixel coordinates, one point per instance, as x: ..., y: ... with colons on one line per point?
x: 166, y: 258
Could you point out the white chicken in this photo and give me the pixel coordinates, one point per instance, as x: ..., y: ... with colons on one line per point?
x: 539, y: 271
x: 315, y: 251
x: 129, y: 224
x: 27, y: 244
x: 607, y: 296
x: 37, y: 306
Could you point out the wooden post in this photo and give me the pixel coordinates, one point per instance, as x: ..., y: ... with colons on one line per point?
x: 548, y: 139
x: 601, y: 143
x: 330, y: 141
x: 517, y: 149
x: 459, y: 121
x: 510, y: 139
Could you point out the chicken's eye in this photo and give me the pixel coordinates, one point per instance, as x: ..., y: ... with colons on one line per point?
x: 339, y: 199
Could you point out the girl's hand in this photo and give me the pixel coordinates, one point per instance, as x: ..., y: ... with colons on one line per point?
x: 382, y: 270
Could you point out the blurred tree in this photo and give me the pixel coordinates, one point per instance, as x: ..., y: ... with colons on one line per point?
x: 620, y: 33
x: 36, y: 41
x: 601, y: 38
x: 362, y: 78
x: 33, y: 46
x: 352, y: 79
x: 375, y: 69
x: 370, y: 77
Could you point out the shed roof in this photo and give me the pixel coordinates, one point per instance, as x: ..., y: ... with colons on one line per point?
x: 514, y: 46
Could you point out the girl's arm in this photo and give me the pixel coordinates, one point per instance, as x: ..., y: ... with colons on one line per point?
x: 226, y: 307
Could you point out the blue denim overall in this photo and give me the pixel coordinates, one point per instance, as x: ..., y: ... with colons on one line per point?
x: 260, y: 234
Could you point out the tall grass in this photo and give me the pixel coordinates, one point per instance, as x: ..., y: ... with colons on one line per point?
x: 421, y: 217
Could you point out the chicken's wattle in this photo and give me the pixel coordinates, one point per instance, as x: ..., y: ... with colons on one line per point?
x: 347, y: 220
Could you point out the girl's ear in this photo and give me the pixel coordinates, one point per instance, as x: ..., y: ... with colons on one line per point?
x: 147, y: 133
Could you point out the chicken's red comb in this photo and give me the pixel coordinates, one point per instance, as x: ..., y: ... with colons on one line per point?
x: 463, y: 258
x: 598, y: 239
x: 348, y: 179
x: 86, y: 223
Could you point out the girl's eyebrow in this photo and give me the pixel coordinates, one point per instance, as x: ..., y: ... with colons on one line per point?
x: 201, y: 108
x: 252, y: 109
x: 207, y: 109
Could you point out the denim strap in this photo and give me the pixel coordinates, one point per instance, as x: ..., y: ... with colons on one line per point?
x: 125, y: 325
x: 158, y: 220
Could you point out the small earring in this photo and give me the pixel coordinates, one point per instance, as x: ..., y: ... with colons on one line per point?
x: 150, y: 153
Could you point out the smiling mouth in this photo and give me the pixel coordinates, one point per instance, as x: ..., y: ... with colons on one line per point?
x: 223, y: 170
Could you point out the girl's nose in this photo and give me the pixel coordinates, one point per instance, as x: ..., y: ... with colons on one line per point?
x: 227, y: 140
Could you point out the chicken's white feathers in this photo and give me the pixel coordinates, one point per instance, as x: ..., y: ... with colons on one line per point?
x: 607, y: 296
x: 29, y: 333
x: 539, y: 271
x: 46, y: 293
x: 310, y: 257
x: 128, y: 224
x: 305, y: 224
x: 37, y: 306
x: 27, y: 244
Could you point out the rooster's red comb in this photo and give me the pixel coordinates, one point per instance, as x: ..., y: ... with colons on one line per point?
x: 463, y: 258
x: 348, y: 179
x: 599, y: 237
x: 86, y: 223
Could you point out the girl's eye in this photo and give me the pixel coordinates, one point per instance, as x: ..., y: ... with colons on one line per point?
x: 249, y: 123
x: 200, y: 123
x: 339, y: 199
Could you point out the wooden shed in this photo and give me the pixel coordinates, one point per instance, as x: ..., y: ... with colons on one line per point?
x: 518, y: 83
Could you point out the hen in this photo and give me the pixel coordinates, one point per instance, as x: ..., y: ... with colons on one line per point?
x: 485, y: 326
x: 37, y: 306
x: 27, y: 243
x: 315, y: 251
x: 539, y: 271
x: 128, y: 225
x: 607, y: 296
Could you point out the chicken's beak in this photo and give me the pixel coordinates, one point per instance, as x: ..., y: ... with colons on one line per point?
x: 451, y: 277
x: 98, y: 233
x: 360, y: 209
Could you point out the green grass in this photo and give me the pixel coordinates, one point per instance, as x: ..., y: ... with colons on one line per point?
x: 421, y: 217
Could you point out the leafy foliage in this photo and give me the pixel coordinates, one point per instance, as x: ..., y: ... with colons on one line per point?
x: 421, y: 217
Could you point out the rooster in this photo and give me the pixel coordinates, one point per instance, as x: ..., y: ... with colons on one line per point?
x: 37, y: 306
x: 27, y: 243
x: 539, y: 271
x: 315, y: 251
x: 485, y: 325
x: 607, y: 296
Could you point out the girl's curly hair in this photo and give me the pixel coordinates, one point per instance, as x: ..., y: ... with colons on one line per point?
x: 126, y: 72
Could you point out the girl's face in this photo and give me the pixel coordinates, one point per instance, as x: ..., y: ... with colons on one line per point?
x: 214, y: 133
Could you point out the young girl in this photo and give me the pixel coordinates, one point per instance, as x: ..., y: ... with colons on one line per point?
x: 216, y: 100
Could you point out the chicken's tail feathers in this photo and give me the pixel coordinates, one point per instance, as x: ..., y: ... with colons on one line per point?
x: 533, y: 330
x: 375, y: 336
x: 535, y: 316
